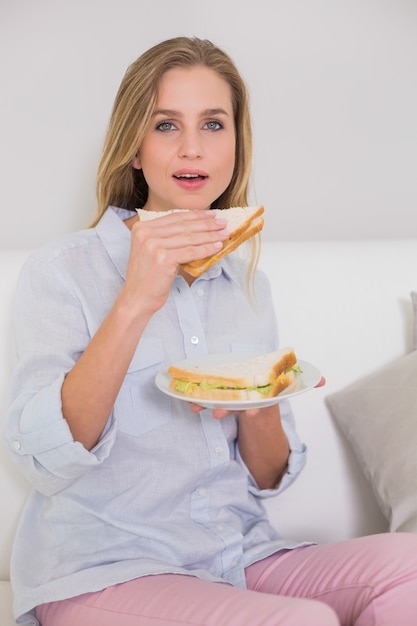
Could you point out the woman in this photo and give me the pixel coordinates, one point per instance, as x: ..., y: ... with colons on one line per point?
x: 147, y: 510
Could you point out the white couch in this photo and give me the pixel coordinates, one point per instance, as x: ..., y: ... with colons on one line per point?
x: 345, y: 306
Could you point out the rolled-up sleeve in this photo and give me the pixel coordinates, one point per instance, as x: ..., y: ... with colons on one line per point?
x: 298, y: 450
x: 296, y: 460
x: 51, y: 332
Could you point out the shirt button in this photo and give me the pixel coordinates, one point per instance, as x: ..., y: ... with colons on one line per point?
x: 200, y: 291
x: 202, y: 491
x: 194, y: 340
x: 219, y: 450
x: 17, y: 445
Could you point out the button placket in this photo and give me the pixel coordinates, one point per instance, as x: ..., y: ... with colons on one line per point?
x: 189, y: 319
x: 216, y: 440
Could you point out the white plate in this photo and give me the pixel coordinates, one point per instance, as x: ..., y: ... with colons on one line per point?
x: 308, y: 378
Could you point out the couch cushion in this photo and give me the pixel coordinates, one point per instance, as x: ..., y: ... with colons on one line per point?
x: 6, y: 617
x: 414, y: 301
x: 378, y: 415
x: 14, y: 487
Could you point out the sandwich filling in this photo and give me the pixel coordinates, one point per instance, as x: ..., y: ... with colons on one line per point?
x: 187, y: 387
x: 182, y: 386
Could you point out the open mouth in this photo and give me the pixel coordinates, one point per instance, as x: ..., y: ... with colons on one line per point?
x: 189, y: 176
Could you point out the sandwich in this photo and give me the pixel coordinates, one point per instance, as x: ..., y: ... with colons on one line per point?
x: 242, y: 223
x: 254, y: 378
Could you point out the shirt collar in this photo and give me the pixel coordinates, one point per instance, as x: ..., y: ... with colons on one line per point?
x: 232, y: 268
x: 115, y: 237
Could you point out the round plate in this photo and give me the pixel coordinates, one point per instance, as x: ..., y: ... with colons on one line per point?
x: 309, y: 377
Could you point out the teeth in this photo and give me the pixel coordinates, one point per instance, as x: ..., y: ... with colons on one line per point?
x: 187, y: 176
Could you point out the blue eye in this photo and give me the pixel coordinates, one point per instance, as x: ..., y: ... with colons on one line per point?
x: 165, y: 126
x: 213, y: 125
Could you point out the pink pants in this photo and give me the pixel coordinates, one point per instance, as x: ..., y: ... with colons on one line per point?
x: 370, y: 581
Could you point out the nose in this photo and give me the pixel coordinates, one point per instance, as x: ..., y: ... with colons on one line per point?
x: 191, y: 145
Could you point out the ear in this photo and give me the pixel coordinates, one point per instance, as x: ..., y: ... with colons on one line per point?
x: 136, y: 162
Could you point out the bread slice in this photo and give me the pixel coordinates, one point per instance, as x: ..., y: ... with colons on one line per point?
x: 145, y: 215
x: 264, y: 376
x: 242, y: 223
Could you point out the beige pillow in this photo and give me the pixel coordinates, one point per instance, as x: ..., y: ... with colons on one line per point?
x: 378, y: 415
x: 414, y: 301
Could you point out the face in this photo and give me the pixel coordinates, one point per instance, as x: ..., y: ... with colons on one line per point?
x: 188, y: 153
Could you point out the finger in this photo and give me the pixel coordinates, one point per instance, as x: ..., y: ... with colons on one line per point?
x: 180, y: 222
x: 175, y: 236
x: 196, y: 408
x: 181, y: 248
x: 218, y: 414
x: 321, y: 382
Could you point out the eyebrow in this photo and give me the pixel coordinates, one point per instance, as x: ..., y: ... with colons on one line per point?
x: 174, y: 113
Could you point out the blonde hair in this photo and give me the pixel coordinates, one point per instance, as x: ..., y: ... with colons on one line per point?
x: 118, y: 183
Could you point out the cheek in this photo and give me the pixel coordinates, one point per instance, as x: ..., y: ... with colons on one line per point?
x: 232, y: 153
x: 148, y: 160
x: 225, y: 153
x: 231, y: 160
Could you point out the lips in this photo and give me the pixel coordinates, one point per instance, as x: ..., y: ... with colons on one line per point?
x: 190, y: 173
x: 190, y: 179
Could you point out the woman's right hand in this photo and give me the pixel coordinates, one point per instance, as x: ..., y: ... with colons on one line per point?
x: 160, y: 246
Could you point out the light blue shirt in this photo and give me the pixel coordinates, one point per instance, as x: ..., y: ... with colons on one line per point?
x: 164, y: 490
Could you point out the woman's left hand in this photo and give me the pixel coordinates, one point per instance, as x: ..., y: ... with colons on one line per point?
x: 263, y: 443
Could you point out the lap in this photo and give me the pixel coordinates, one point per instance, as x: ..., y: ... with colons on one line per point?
x: 176, y: 600
x: 364, y: 581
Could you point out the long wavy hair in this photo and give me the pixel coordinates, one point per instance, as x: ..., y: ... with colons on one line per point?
x: 118, y: 182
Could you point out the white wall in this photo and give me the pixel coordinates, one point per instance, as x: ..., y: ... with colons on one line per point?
x: 334, y: 101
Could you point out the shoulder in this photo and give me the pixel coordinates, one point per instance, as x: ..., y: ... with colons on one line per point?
x: 88, y: 247
x: 66, y: 245
x: 67, y: 254
x: 63, y: 259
